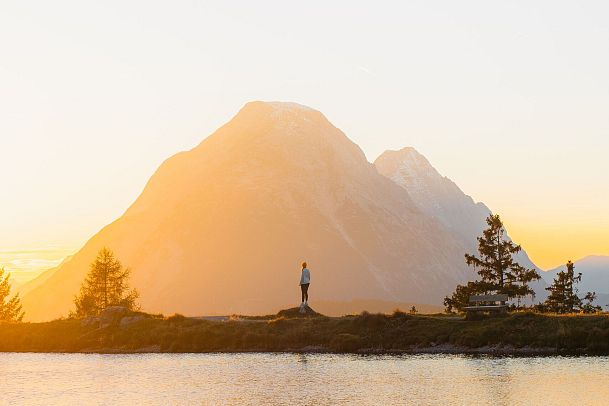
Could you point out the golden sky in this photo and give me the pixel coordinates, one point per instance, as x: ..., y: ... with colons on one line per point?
x: 508, y: 99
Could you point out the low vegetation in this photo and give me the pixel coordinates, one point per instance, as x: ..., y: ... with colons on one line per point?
x: 517, y: 333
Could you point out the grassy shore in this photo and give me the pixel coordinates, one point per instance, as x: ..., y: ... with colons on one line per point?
x: 517, y: 333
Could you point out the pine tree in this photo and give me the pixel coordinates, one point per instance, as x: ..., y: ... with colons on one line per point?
x: 10, y: 309
x: 563, y: 296
x: 588, y: 307
x: 460, y: 298
x: 105, y: 285
x: 563, y: 293
x: 499, y: 272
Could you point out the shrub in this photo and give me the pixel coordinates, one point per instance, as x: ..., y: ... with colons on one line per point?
x: 346, y: 342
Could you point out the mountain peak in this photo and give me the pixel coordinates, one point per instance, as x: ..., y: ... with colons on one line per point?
x: 404, y: 152
x: 277, y: 110
x: 274, y: 132
x: 437, y: 196
x: 275, y: 185
x: 405, y: 163
x: 280, y: 105
x: 287, y: 106
x: 434, y: 194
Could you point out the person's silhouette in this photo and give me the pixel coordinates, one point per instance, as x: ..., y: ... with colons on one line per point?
x: 305, y: 281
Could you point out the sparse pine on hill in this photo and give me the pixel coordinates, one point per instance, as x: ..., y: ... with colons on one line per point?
x: 105, y: 285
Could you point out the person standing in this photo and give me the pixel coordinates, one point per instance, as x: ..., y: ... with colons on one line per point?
x: 305, y: 281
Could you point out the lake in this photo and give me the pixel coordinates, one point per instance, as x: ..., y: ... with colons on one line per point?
x: 300, y: 379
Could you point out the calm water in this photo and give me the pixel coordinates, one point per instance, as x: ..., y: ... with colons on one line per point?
x: 165, y: 379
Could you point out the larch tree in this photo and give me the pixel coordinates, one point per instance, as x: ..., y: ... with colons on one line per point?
x: 588, y: 307
x: 106, y: 285
x: 563, y: 291
x: 460, y: 298
x: 564, y: 297
x: 10, y: 308
x: 498, y: 271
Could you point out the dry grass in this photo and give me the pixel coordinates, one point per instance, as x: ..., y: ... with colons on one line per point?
x: 360, y: 333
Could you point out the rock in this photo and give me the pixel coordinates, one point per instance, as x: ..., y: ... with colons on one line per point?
x: 112, y: 315
x: 128, y: 320
x: 90, y: 321
x: 298, y: 312
x: 113, y: 312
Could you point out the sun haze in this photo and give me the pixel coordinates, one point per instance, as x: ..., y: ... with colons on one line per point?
x: 508, y: 99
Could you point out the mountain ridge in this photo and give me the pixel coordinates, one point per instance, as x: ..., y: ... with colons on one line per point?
x: 221, y: 228
x: 438, y: 196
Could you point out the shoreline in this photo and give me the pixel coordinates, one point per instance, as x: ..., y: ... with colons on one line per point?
x: 445, y: 350
x: 518, y: 334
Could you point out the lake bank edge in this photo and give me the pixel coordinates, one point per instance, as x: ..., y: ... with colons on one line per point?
x: 517, y: 334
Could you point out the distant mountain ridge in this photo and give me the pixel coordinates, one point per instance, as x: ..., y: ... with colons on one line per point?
x: 441, y: 198
x: 432, y: 193
x: 222, y: 228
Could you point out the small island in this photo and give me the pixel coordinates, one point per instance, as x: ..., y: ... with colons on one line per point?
x: 118, y: 330
x: 108, y: 319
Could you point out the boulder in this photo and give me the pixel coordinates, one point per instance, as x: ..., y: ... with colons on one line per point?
x: 114, y: 311
x: 112, y: 315
x: 90, y: 321
x: 129, y: 320
x: 299, y: 312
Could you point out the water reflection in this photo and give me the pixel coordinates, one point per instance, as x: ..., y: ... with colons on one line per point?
x: 296, y: 379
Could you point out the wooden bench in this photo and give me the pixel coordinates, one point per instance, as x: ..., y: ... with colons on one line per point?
x: 486, y: 303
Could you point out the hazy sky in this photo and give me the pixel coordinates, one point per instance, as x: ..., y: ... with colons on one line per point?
x: 510, y: 99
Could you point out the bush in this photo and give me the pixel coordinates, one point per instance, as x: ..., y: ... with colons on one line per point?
x: 346, y: 342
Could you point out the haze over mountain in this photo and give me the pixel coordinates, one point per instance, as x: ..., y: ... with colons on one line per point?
x: 223, y: 227
x: 433, y: 194
x: 441, y: 199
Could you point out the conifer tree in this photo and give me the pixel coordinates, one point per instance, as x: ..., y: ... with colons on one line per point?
x: 563, y: 296
x: 588, y: 307
x: 460, y: 298
x: 563, y: 292
x: 105, y: 285
x: 10, y: 309
x: 499, y: 272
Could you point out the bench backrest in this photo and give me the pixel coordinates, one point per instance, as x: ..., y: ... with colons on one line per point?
x: 488, y: 298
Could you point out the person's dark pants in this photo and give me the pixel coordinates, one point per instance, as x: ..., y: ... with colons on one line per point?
x: 305, y: 292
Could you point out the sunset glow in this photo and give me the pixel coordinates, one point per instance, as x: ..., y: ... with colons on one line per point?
x: 325, y: 202
x: 509, y: 101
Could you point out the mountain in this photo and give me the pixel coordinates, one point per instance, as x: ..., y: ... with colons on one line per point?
x: 223, y: 227
x: 435, y: 195
x: 595, y: 276
x: 24, y: 289
x: 441, y: 199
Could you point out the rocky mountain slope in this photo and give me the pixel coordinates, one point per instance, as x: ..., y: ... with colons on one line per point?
x: 441, y: 199
x: 435, y: 195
